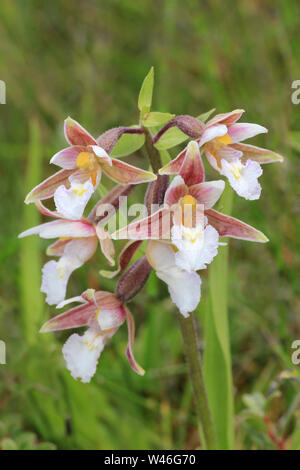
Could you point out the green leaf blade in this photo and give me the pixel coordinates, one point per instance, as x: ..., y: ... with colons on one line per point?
x: 157, y: 119
x: 171, y: 138
x: 145, y: 96
x: 128, y: 144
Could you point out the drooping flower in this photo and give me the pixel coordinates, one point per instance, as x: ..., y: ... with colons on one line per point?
x: 82, y: 164
x: 240, y: 163
x: 103, y: 313
x: 186, y: 241
x: 184, y: 286
x: 76, y: 244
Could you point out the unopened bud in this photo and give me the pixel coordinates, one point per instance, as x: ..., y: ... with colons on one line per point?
x: 133, y: 280
x: 108, y: 139
x: 189, y: 125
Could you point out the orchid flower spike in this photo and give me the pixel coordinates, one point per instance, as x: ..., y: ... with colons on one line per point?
x: 240, y: 163
x: 103, y: 313
x: 82, y: 164
x: 186, y: 229
x: 76, y: 244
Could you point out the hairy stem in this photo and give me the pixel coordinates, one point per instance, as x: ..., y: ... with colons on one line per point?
x: 190, y: 341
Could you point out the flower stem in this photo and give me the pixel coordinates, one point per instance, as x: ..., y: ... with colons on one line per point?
x: 217, y: 366
x: 190, y: 341
x: 152, y: 152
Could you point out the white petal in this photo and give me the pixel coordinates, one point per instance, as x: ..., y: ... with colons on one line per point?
x: 81, y: 354
x: 211, y: 159
x: 71, y: 202
x: 110, y: 318
x: 184, y: 288
x: 244, y: 130
x: 61, y: 228
x: 160, y: 255
x: 66, y: 158
x: 80, y: 251
x: 243, y: 178
x: 196, y: 247
x: 211, y: 133
x: 209, y: 248
x: 78, y: 298
x: 100, y: 152
x: 55, y: 274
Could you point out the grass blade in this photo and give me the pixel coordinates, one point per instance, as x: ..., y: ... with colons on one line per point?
x: 217, y: 358
x: 32, y: 305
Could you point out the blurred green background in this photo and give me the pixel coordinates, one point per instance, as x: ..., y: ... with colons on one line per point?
x: 87, y: 59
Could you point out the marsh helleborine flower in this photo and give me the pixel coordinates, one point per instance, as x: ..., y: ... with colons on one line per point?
x: 82, y: 164
x: 103, y: 313
x: 221, y: 140
x: 76, y: 244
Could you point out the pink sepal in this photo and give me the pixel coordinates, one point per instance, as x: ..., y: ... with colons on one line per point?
x: 230, y: 227
x: 129, y: 350
x: 76, y: 134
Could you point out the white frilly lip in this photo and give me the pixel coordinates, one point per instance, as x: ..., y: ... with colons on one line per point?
x: 243, y: 178
x: 184, y: 287
x: 56, y: 274
x: 81, y: 354
x: 72, y: 202
x: 196, y: 247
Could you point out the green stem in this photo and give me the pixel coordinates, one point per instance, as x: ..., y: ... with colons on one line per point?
x: 190, y: 341
x: 152, y: 152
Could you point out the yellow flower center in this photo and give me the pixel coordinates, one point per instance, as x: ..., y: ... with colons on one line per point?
x: 61, y: 271
x: 192, y: 237
x: 224, y: 139
x: 96, y: 314
x: 91, y: 344
x: 188, y: 207
x: 85, y: 161
x: 236, y: 169
x: 188, y: 201
x: 79, y: 191
x: 216, y: 143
